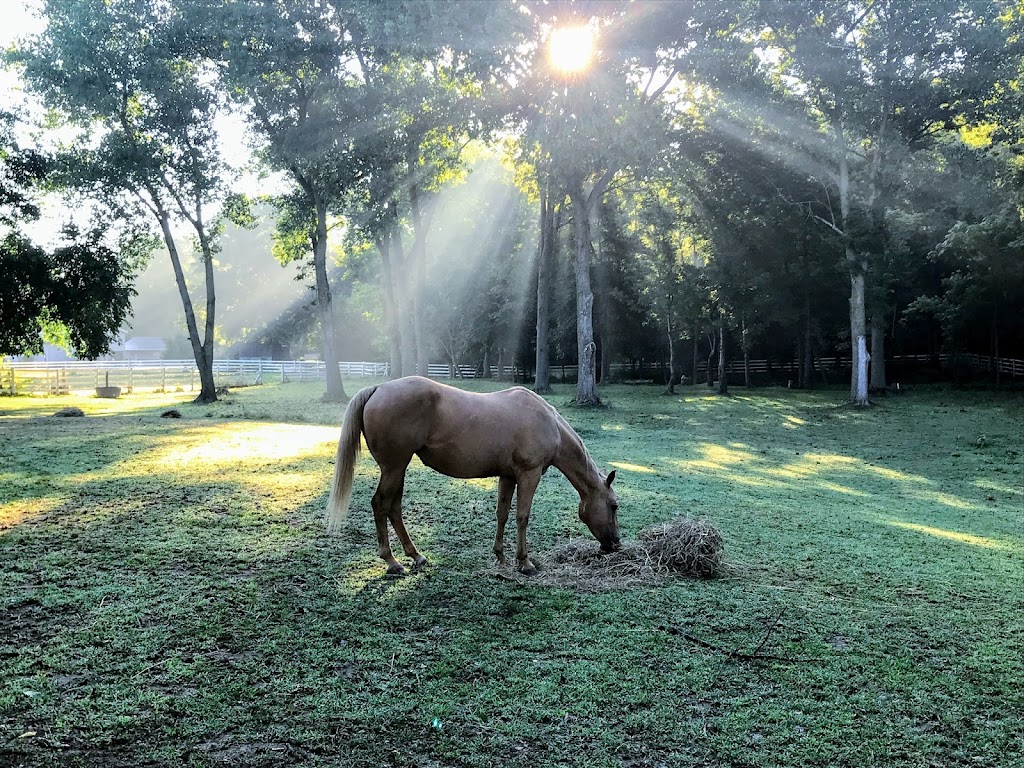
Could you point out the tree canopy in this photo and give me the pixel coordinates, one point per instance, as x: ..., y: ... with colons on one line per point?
x: 712, y: 181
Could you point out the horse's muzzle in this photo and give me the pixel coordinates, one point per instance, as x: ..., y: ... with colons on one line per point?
x: 610, y: 545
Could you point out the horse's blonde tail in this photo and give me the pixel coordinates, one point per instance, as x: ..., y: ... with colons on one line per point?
x: 345, y: 465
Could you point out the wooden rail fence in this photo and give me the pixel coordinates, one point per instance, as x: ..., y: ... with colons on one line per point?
x: 54, y: 378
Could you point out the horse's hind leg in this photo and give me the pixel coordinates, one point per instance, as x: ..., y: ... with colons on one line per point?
x: 505, y: 487
x: 395, y: 516
x: 387, y: 506
x: 389, y: 492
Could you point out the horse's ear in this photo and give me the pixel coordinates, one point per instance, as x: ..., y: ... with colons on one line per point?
x: 611, y: 477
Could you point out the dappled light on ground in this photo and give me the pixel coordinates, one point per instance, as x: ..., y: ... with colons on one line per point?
x: 227, y: 444
x: 368, y: 577
x: 21, y: 510
x: 991, y: 485
x: 813, y: 470
x: 625, y: 465
x: 127, y: 404
x: 892, y: 474
x: 837, y: 488
x: 946, y: 499
x: 717, y: 457
x: 965, y: 538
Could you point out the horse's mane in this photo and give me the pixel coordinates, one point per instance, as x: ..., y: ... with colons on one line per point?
x: 578, y: 446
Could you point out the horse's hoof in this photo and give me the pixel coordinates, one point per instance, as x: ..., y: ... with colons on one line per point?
x: 420, y: 562
x: 396, y: 569
x: 527, y: 568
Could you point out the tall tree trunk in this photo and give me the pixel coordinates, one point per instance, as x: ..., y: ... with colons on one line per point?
x: 995, y: 345
x: 204, y: 362
x: 807, y: 366
x: 454, y: 368
x: 858, y: 337
x: 800, y: 353
x: 545, y: 252
x: 419, y: 343
x: 603, y: 311
x: 713, y: 342
x: 390, y: 306
x: 606, y: 343
x: 334, y: 389
x: 211, y: 308
x: 403, y: 305
x: 878, y: 378
x: 417, y: 313
x: 417, y: 262
x: 696, y: 355
x: 670, y: 386
x: 723, y: 382
x: 746, y: 353
x: 875, y: 214
x: 858, y: 324
x: 586, y: 382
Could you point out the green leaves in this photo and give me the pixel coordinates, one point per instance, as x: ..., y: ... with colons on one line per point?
x: 23, y: 292
x: 21, y: 171
x: 80, y: 293
x: 125, y: 72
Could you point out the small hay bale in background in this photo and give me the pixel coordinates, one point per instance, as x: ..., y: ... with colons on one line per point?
x: 69, y: 412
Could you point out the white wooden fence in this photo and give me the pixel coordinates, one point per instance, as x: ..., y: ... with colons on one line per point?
x: 52, y: 378
x: 161, y: 375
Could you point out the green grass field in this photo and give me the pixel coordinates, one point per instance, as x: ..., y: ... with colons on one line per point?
x: 168, y: 596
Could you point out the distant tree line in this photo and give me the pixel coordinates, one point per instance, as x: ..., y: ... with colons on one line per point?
x: 717, y: 181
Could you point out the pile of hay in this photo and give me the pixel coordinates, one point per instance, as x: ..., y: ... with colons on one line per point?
x: 72, y: 412
x: 693, y: 547
x: 686, y: 547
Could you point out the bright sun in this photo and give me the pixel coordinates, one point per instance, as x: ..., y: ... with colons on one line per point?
x: 571, y: 48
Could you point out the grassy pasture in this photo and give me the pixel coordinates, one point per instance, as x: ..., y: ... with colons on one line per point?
x: 168, y: 597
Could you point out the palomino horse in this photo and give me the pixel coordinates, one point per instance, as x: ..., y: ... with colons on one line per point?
x: 513, y: 435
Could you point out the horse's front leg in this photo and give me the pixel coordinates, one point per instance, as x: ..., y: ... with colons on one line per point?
x: 505, y: 487
x: 526, y: 486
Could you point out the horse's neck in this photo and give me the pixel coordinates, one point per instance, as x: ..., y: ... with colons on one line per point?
x: 573, y: 460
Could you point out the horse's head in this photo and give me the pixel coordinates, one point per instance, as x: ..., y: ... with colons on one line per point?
x: 599, y: 510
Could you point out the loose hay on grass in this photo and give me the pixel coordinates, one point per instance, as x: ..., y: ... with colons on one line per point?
x: 686, y: 546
